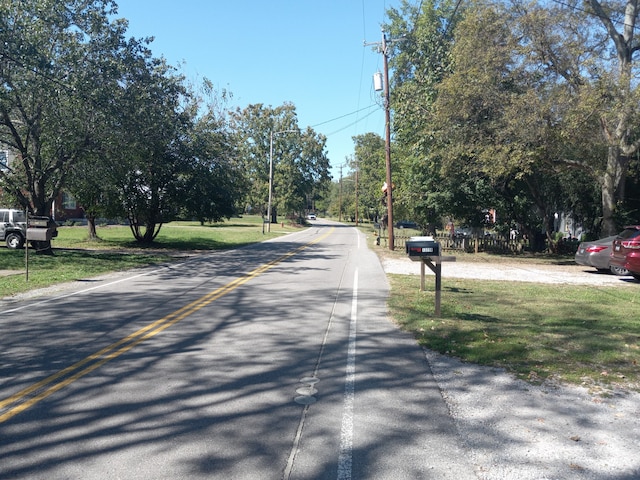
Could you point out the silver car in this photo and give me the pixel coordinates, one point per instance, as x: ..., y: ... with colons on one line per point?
x: 597, y: 254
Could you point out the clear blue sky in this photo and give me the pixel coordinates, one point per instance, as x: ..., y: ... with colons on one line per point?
x: 309, y: 53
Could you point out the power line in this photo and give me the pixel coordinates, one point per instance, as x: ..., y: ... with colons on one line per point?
x: 345, y: 115
x: 352, y: 124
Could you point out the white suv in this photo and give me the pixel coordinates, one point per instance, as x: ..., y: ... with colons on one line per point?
x: 13, y: 227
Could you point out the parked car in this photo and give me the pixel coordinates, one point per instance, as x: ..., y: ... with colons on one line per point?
x: 597, y: 254
x: 626, y: 250
x: 406, y: 224
x: 13, y: 227
x: 464, y: 232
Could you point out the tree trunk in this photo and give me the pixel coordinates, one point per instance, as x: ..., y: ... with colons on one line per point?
x: 91, y: 226
x: 612, y: 190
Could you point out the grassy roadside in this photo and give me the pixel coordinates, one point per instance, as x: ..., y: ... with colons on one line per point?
x: 76, y: 258
x: 578, y: 334
x: 583, y: 335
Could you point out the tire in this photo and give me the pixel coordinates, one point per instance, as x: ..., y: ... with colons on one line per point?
x: 636, y: 276
x: 619, y: 270
x: 14, y: 241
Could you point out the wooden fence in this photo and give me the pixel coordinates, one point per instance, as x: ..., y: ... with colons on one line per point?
x: 493, y: 243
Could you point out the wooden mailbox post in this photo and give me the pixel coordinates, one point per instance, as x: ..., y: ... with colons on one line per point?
x: 428, y: 252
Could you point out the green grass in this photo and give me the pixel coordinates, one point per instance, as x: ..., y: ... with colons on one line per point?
x: 77, y: 258
x: 578, y: 334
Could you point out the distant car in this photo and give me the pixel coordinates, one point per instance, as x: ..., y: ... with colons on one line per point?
x: 597, y: 254
x: 626, y: 250
x: 407, y: 224
x: 311, y: 216
x: 464, y: 232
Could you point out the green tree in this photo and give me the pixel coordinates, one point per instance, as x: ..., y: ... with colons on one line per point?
x: 54, y: 57
x: 369, y: 161
x: 420, y: 59
x: 499, y: 125
x: 214, y: 185
x: 592, y: 51
x: 270, y: 139
x: 150, y: 168
x: 528, y: 92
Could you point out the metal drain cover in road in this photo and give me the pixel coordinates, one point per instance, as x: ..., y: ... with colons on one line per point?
x: 305, y: 400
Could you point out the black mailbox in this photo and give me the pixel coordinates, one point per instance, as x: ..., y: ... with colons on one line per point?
x: 41, y: 229
x: 420, y: 247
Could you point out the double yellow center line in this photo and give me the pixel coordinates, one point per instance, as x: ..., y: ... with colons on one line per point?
x: 33, y: 394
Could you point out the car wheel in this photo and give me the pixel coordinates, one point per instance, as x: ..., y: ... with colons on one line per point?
x: 619, y: 270
x: 636, y: 276
x: 14, y: 241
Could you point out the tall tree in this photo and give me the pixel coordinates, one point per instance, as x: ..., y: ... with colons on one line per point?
x: 421, y: 40
x: 270, y: 140
x: 619, y: 124
x: 369, y: 161
x: 53, y: 59
x: 158, y: 115
x: 592, y: 50
x: 508, y: 120
x: 214, y: 186
x: 534, y: 89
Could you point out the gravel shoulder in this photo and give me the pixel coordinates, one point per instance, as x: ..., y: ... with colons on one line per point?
x: 515, y: 272
x: 515, y: 430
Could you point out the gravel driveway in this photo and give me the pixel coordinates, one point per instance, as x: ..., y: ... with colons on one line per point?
x: 517, y: 431
x: 517, y: 272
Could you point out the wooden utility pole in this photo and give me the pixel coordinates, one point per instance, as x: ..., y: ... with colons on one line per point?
x: 387, y: 141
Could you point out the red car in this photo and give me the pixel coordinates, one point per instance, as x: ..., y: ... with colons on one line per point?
x: 626, y: 250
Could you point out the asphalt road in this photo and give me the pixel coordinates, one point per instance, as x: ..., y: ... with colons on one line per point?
x: 267, y: 362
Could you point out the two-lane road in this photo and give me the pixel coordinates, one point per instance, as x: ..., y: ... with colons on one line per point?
x: 267, y: 362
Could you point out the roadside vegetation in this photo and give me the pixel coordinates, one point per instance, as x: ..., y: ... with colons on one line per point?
x: 582, y: 335
x: 578, y: 334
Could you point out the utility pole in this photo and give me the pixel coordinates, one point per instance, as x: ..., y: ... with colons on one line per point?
x: 383, y: 48
x: 387, y: 141
x: 356, y: 193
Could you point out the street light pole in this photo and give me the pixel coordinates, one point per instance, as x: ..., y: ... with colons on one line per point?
x: 270, y: 182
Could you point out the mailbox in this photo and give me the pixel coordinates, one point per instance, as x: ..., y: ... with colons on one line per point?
x: 421, y: 247
x: 41, y: 229
x: 39, y: 222
x: 39, y: 234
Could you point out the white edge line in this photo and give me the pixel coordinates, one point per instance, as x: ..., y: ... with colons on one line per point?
x: 345, y: 460
x: 79, y: 292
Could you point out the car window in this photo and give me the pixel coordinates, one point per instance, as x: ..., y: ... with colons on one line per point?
x: 18, y: 216
x: 4, y: 217
x: 629, y: 233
